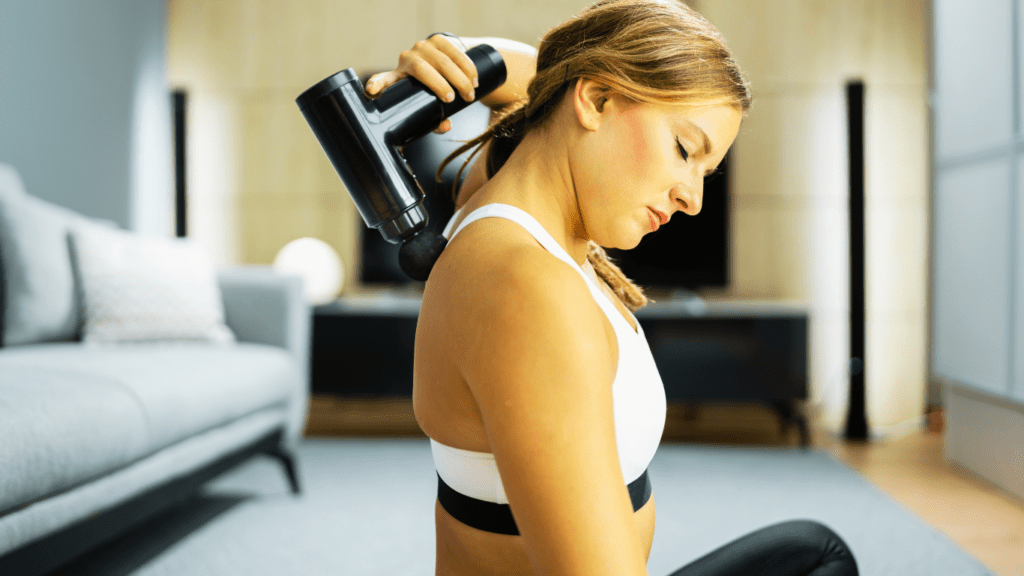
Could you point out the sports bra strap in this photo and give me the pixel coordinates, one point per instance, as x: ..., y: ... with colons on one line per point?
x: 524, y: 219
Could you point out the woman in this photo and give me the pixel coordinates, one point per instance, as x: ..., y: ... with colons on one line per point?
x: 532, y: 377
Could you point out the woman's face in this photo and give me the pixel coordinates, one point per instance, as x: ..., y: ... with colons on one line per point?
x: 643, y: 163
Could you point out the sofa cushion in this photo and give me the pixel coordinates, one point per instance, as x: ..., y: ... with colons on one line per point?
x: 181, y: 388
x: 59, y: 428
x: 138, y: 288
x: 39, y: 297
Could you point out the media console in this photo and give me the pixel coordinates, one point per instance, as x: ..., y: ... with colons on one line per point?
x: 706, y: 351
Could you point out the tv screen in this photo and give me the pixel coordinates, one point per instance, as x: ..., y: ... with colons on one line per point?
x: 690, y: 252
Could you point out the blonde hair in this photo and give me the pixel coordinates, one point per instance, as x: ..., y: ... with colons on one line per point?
x: 648, y: 51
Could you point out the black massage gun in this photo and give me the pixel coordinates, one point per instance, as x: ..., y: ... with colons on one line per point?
x: 364, y: 137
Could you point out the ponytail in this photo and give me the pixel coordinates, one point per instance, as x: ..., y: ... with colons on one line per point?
x: 504, y: 135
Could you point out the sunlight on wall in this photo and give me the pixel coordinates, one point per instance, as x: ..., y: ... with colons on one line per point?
x: 151, y: 200
x: 212, y: 177
x: 791, y: 193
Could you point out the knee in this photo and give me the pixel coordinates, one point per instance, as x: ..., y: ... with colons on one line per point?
x: 821, y: 537
x: 809, y: 530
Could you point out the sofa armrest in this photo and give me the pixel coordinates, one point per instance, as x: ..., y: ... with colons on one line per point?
x: 265, y: 307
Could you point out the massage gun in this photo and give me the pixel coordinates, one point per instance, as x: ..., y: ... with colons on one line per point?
x: 364, y: 138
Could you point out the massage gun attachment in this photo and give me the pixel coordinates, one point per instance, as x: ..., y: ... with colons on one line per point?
x: 363, y: 138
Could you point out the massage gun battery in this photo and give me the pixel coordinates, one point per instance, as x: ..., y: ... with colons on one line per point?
x: 363, y: 138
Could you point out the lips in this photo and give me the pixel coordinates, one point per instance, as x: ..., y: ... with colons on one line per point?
x: 654, y: 220
x: 657, y: 219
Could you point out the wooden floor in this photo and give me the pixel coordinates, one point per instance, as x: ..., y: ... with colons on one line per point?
x: 980, y: 517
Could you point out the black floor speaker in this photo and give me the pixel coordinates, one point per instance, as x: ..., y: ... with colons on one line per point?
x: 179, y: 103
x: 856, y: 418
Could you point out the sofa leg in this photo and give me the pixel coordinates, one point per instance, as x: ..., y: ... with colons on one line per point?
x: 288, y: 461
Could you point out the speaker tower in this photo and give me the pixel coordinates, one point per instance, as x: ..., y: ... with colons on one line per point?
x: 856, y: 418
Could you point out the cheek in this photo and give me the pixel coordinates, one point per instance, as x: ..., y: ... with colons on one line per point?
x: 638, y: 142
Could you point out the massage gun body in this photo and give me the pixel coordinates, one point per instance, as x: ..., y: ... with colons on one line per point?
x: 364, y: 137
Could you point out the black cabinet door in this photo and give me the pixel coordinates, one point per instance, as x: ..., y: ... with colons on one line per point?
x: 362, y: 355
x: 730, y: 359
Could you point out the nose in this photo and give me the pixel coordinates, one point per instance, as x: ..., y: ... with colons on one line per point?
x: 689, y: 197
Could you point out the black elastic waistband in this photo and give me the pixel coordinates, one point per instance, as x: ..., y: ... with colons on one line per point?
x: 497, y: 518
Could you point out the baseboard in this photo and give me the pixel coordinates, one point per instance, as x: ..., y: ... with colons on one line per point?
x: 983, y: 435
x: 707, y: 423
x: 899, y: 430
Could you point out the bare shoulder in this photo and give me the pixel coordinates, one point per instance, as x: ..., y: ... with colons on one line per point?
x: 493, y: 302
x: 495, y: 276
x: 517, y: 318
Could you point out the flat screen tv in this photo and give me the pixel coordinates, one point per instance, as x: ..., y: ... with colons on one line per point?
x: 690, y: 252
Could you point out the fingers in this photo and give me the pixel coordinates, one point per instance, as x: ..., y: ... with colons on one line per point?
x: 436, y: 62
x: 445, y: 126
x: 379, y: 82
x: 436, y: 69
x: 455, y: 53
x: 440, y: 64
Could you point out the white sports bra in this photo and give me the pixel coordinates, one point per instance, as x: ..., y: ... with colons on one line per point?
x: 637, y: 391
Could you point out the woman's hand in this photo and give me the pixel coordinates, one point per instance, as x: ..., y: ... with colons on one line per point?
x: 440, y: 65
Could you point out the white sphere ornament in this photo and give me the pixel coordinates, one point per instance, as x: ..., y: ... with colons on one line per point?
x: 317, y: 264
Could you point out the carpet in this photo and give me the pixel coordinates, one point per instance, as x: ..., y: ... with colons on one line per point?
x: 367, y: 509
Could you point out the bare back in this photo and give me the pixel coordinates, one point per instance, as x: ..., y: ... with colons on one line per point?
x: 444, y: 402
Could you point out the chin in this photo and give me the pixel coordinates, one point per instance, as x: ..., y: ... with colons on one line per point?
x: 626, y: 237
x: 630, y: 243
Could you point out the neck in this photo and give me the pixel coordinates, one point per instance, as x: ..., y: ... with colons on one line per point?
x: 538, y: 179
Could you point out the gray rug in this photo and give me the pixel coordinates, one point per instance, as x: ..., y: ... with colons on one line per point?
x: 367, y: 509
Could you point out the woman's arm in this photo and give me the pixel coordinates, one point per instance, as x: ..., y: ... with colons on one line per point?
x: 539, y: 366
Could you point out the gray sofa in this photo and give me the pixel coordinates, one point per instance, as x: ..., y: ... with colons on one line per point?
x: 96, y: 439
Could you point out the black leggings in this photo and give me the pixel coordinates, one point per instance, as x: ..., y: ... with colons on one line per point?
x: 791, y: 548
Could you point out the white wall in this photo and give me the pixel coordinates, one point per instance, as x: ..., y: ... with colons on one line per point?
x: 978, y: 275
x: 978, y: 145
x: 85, y: 107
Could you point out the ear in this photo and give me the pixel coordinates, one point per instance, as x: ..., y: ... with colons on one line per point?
x: 589, y: 98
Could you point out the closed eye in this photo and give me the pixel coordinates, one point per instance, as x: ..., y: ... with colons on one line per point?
x: 682, y: 150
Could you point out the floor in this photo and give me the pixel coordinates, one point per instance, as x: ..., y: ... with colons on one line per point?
x: 977, y: 515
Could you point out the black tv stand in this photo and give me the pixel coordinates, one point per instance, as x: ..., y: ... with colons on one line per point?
x: 707, y: 351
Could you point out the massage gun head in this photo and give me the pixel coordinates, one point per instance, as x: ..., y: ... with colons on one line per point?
x: 363, y: 138
x: 419, y: 253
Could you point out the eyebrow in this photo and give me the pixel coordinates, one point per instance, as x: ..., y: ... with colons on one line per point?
x: 707, y: 144
x: 707, y: 141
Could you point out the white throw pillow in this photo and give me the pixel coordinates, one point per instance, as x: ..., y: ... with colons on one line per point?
x: 139, y: 288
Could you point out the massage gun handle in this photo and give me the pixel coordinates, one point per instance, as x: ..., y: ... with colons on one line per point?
x: 410, y: 94
x: 491, y: 73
